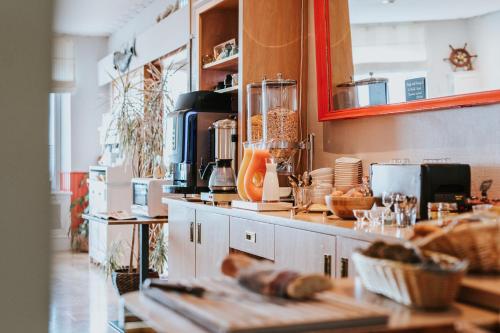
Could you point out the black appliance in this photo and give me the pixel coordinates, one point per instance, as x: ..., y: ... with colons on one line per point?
x: 428, y: 182
x: 188, y: 142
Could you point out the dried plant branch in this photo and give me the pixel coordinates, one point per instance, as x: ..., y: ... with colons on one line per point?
x: 138, y: 109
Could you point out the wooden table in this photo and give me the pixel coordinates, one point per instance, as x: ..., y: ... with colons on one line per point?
x: 144, y: 223
x: 402, y: 318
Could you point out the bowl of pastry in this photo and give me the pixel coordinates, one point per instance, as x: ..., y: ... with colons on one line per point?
x: 342, y: 205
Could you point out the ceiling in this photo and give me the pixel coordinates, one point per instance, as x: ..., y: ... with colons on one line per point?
x: 95, y: 17
x: 376, y: 11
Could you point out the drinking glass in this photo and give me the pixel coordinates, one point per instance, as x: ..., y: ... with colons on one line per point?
x: 360, y: 215
x: 387, y: 201
x: 302, y: 197
x: 375, y: 216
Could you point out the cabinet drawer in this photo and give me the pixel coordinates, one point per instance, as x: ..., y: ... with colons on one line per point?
x: 253, y: 237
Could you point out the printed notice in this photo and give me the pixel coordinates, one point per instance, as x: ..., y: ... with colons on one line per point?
x: 415, y: 89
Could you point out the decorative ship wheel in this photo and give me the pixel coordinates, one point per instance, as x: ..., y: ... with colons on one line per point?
x: 460, y: 58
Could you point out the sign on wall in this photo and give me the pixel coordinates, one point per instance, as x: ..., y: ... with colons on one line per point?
x: 415, y: 89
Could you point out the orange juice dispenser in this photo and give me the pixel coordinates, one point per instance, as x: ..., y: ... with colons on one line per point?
x: 281, y: 127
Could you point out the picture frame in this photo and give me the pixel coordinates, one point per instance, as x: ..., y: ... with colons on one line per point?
x: 223, y: 50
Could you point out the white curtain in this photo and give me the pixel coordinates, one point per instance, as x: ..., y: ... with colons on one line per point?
x: 63, y: 64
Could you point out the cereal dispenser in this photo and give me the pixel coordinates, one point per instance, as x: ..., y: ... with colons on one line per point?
x: 254, y: 111
x: 281, y: 121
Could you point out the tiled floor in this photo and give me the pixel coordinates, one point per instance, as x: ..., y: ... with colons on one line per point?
x: 82, y: 299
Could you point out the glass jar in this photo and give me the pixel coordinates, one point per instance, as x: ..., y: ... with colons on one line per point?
x: 254, y: 112
x: 281, y: 121
x: 280, y: 110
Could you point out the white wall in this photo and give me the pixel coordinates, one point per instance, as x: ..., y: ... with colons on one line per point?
x: 140, y: 23
x: 484, y: 31
x: 25, y: 63
x: 467, y: 135
x: 422, y: 46
x: 88, y: 102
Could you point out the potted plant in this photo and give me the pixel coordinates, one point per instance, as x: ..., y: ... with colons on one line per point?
x: 127, y: 278
x: 79, y: 228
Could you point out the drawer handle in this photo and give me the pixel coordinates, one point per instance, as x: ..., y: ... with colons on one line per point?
x: 199, y: 232
x: 344, y: 267
x: 191, y: 232
x: 328, y: 265
x: 250, y: 236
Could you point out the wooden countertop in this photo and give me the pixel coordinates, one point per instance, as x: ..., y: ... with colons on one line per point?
x: 137, y: 220
x: 315, y: 222
x: 402, y: 318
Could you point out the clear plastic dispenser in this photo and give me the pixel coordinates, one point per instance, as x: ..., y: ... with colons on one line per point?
x: 254, y: 112
x: 281, y: 120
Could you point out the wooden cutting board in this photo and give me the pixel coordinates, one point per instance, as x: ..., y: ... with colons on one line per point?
x: 483, y: 291
x: 229, y: 308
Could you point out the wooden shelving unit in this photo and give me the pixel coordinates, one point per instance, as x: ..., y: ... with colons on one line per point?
x: 230, y: 64
x: 218, y: 22
x: 270, y: 41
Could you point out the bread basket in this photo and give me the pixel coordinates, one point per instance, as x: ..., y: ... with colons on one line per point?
x: 343, y: 206
x: 411, y: 284
x: 477, y: 242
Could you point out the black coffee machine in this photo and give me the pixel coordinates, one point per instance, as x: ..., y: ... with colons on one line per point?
x: 427, y: 182
x: 188, y: 142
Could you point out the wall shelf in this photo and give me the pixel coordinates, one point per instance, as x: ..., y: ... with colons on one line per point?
x: 230, y: 64
x: 226, y: 90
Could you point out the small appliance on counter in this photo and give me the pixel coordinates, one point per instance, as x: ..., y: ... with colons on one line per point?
x: 190, y: 140
x: 438, y: 182
x: 146, y: 197
x: 109, y: 188
x: 222, y: 180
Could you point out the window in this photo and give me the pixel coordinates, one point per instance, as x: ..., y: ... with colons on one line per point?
x: 59, y: 138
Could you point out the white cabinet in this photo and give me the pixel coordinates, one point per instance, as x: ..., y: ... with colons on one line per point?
x: 304, y: 251
x: 212, y: 243
x: 181, y: 242
x: 102, y: 236
x: 345, y: 248
x: 252, y: 237
x: 197, y: 242
x: 109, y: 189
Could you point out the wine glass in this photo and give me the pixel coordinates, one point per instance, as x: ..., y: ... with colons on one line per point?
x: 387, y: 201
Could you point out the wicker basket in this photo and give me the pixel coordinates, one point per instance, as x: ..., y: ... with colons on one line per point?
x: 478, y: 243
x: 410, y: 284
x: 125, y: 282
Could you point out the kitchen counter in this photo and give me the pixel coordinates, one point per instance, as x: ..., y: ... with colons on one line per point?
x: 315, y: 222
x: 401, y: 318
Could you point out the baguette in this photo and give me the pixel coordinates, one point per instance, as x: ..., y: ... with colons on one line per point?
x: 264, y: 279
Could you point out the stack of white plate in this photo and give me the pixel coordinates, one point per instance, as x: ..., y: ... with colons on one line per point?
x: 348, y: 173
x: 322, y: 176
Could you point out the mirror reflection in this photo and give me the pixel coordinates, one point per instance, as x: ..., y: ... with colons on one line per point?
x: 396, y: 51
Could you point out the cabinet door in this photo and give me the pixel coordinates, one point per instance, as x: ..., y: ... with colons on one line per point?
x: 212, y: 243
x: 345, y: 248
x: 304, y: 251
x: 181, y: 245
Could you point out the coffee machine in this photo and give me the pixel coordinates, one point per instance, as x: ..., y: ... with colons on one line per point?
x: 428, y: 182
x: 220, y: 171
x: 188, y: 139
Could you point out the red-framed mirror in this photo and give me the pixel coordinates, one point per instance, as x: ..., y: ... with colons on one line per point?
x: 378, y: 57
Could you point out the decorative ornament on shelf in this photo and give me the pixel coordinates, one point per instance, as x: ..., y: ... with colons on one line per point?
x: 121, y: 60
x: 460, y: 58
